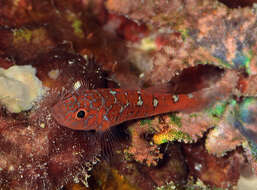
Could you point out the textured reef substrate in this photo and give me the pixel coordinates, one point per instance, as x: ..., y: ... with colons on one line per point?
x: 200, y: 48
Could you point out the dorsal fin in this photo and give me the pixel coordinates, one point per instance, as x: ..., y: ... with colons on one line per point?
x: 190, y: 80
x: 168, y: 87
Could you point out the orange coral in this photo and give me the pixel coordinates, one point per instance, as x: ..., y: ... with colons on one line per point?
x: 142, y: 150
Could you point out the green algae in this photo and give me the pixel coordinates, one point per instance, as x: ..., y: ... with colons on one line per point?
x: 77, y: 27
x: 145, y: 121
x: 218, y: 110
x: 22, y: 35
x: 248, y: 61
x: 179, y: 135
x: 223, y: 64
x: 184, y: 33
x: 243, y: 60
x: 169, y: 186
x: 193, y: 115
x: 76, y: 24
x: 175, y: 120
x: 171, y: 135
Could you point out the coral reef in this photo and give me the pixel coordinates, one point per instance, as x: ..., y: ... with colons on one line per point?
x: 184, y: 35
x: 143, y: 151
x: 109, y: 178
x: 190, y: 35
x: 36, y: 152
x: 140, y: 176
x: 222, y: 173
x: 199, y: 48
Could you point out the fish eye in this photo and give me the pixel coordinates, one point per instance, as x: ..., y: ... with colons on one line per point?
x: 81, y: 113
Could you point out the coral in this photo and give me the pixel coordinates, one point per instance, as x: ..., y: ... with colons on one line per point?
x: 145, y: 11
x: 188, y: 127
x: 140, y: 176
x: 37, y: 153
x: 252, y: 158
x: 109, y: 178
x: 190, y: 36
x: 24, y: 43
x: 171, y: 168
x: 20, y: 88
x: 198, y: 48
x: 237, y: 125
x: 220, y: 172
x: 171, y: 135
x: 142, y: 150
x: 164, y: 45
x: 225, y: 134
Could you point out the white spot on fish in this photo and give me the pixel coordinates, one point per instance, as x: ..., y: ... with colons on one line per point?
x: 140, y: 101
x: 190, y: 95
x: 155, y: 102
x: 175, y: 98
x: 106, y: 118
x: 121, y: 109
x: 113, y: 92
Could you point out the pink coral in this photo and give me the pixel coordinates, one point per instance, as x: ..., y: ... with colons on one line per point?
x: 227, y: 137
x: 142, y: 150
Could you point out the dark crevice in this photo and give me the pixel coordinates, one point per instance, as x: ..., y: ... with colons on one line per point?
x: 238, y: 3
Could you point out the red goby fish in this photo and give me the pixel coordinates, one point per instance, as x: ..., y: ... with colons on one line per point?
x: 100, y: 109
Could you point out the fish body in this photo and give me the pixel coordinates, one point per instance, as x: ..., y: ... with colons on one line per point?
x: 100, y: 109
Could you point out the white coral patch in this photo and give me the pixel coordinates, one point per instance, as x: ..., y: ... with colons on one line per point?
x: 19, y: 88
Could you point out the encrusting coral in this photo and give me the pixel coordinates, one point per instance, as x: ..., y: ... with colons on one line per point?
x: 230, y: 45
x: 190, y: 35
x: 20, y: 88
x: 142, y: 151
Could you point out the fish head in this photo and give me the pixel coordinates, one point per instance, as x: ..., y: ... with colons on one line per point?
x: 69, y: 112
